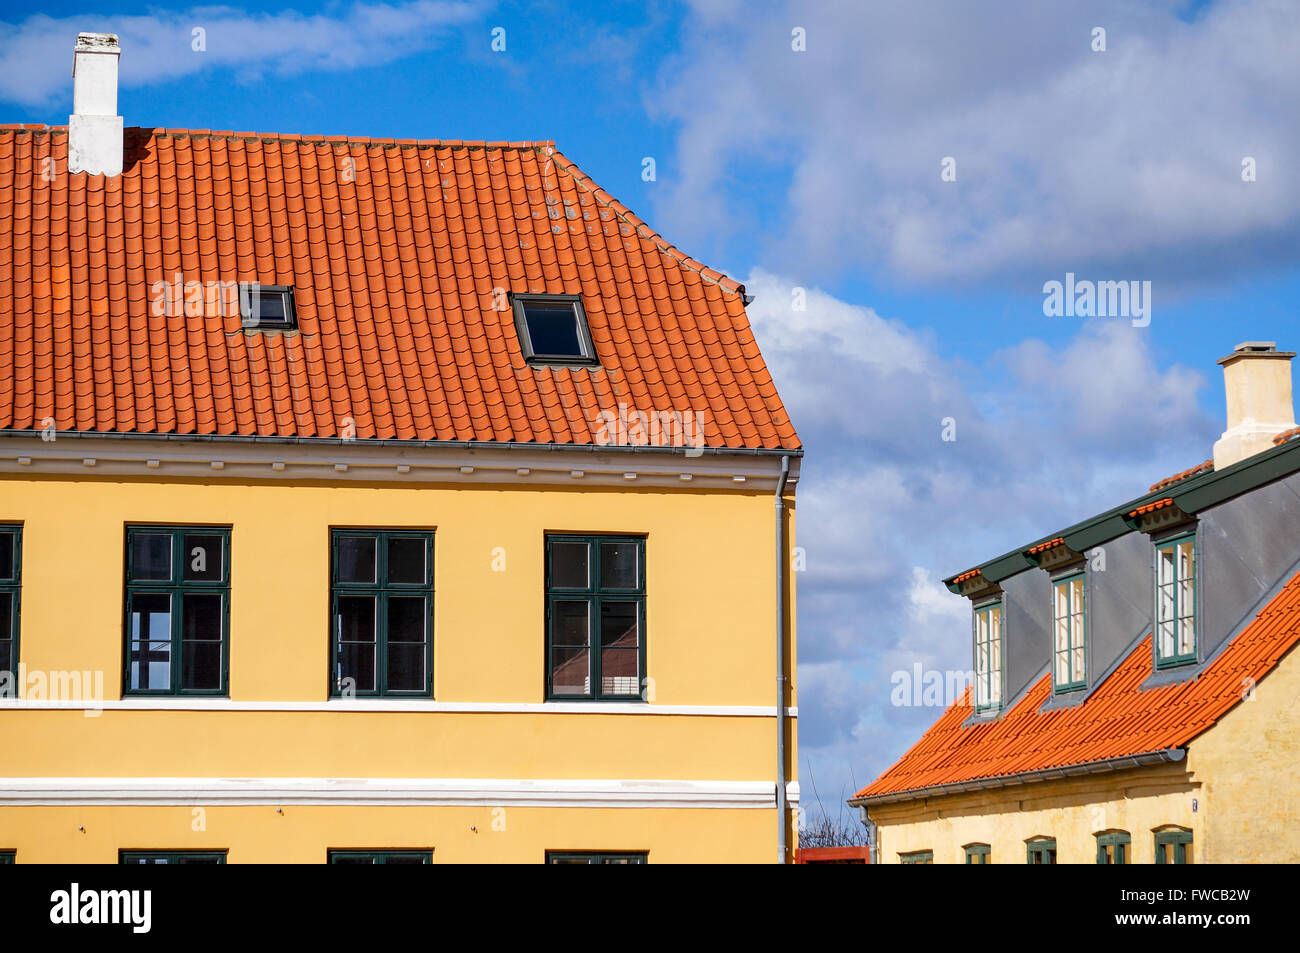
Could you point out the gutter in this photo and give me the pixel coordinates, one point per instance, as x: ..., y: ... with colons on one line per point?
x: 409, y: 444
x: 1161, y: 756
x: 781, y: 562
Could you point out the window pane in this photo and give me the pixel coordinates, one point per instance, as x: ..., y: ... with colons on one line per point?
x: 406, y: 560
x: 619, y: 654
x: 268, y: 305
x: 406, y: 644
x: 356, y: 651
x: 570, y: 671
x: 553, y: 329
x: 569, y: 565
x: 569, y: 624
x: 618, y: 565
x: 356, y: 559
x: 405, y: 859
x: 6, y: 555
x: 352, y: 859
x: 203, y: 557
x: 149, y: 654
x: 356, y: 619
x: 151, y: 556
x: 201, y: 624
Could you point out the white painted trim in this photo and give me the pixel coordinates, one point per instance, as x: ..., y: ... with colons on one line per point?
x: 347, y: 461
x: 339, y: 705
x: 389, y: 792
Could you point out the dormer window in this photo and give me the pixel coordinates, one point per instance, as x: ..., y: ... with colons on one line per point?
x: 1176, y: 601
x: 553, y: 329
x: 1069, y: 644
x: 988, y: 656
x: 267, y: 307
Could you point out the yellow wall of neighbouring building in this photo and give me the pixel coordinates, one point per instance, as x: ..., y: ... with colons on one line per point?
x: 1249, y: 768
x: 1072, y: 811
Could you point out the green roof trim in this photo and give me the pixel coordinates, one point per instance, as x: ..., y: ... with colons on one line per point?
x: 1192, y: 495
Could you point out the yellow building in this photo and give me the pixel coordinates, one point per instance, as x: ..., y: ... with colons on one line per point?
x: 1135, y: 675
x: 377, y: 501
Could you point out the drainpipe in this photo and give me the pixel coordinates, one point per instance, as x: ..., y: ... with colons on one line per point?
x: 781, y: 563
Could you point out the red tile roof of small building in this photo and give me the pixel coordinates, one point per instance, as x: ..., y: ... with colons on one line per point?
x: 1119, y: 719
x: 394, y: 249
x: 1044, y: 547
x: 1197, y: 470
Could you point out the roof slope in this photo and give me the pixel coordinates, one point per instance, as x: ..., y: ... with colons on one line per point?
x: 394, y: 249
x: 1119, y: 719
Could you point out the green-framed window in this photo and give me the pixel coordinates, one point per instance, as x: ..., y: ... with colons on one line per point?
x: 11, y: 586
x: 988, y: 656
x: 381, y: 857
x: 1114, y: 847
x: 595, y: 617
x: 1069, y: 653
x: 1040, y: 850
x: 177, y: 610
x: 589, y: 857
x: 978, y: 854
x: 172, y: 857
x: 7, y: 856
x: 1176, y: 601
x: 381, y: 611
x: 917, y: 857
x: 1173, y: 847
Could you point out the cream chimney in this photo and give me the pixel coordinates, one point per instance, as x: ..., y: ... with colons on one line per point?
x: 94, y: 128
x: 1257, y: 378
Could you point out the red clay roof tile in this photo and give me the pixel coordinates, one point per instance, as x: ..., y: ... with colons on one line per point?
x: 393, y: 265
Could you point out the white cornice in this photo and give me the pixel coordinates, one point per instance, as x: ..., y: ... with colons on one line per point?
x: 411, y: 705
x: 388, y: 462
x: 390, y: 792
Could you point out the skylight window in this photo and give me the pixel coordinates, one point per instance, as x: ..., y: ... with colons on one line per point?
x: 267, y: 307
x: 553, y: 329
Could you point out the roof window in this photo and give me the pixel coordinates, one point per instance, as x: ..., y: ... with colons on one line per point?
x: 267, y: 307
x: 553, y: 329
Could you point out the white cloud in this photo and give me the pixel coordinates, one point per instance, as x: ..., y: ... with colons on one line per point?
x: 1122, y: 164
x: 36, y: 54
x: 887, y: 508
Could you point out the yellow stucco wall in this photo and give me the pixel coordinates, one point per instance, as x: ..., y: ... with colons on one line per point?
x: 302, y: 835
x: 1249, y: 769
x: 1072, y: 811
x: 709, y: 635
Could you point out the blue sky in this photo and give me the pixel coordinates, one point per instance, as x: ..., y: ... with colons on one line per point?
x: 819, y: 169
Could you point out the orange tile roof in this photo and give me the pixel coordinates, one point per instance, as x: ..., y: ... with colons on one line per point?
x: 969, y: 574
x: 1119, y: 719
x: 1200, y: 468
x: 393, y: 266
x: 1286, y: 435
x: 1044, y: 547
x: 1152, y: 507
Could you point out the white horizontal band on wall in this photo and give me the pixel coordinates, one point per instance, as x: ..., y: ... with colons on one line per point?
x: 398, y: 705
x: 388, y: 792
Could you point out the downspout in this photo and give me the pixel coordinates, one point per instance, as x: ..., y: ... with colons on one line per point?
x: 781, y: 563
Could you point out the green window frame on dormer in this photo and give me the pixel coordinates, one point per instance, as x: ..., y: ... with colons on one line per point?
x: 988, y: 634
x: 1175, y: 609
x: 1173, y: 847
x: 978, y: 854
x: 1069, y: 633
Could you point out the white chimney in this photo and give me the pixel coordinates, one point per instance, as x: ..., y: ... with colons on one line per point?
x: 94, y: 128
x: 1257, y: 378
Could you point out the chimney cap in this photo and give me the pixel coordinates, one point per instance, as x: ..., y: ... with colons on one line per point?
x: 97, y: 43
x: 1256, y: 349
